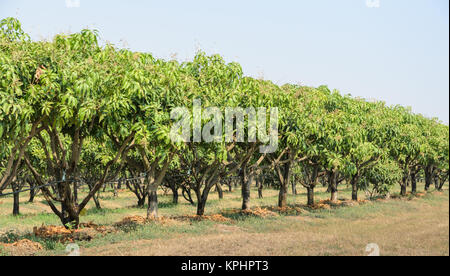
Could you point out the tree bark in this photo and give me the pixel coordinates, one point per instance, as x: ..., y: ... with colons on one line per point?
x: 404, y: 186
x: 16, y: 204
x: 436, y: 182
x: 260, y: 186
x: 428, y: 177
x: 403, y: 190
x: 333, y: 186
x: 201, y: 201
x: 141, y: 202
x: 175, y: 196
x: 75, y: 191
x: 187, y: 195
x: 294, y: 186
x: 115, y: 194
x: 219, y: 190
x: 245, y: 182
x: 201, y: 207
x: 152, y: 211
x: 354, y: 183
x: 202, y: 198
x: 284, y: 182
x: 32, y: 193
x: 442, y: 180
x: 413, y: 183
x: 282, y: 197
x: 97, y: 201
x: 310, y: 191
x: 70, y: 216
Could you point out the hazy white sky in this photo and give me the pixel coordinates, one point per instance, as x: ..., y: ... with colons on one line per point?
x: 397, y: 52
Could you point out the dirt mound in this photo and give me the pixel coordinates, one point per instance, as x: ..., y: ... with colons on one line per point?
x: 131, y: 220
x: 86, y: 232
x: 98, y: 228
x: 259, y: 212
x: 48, y: 232
x: 137, y: 220
x: 288, y: 210
x: 215, y: 218
x: 23, y: 247
x: 255, y: 212
x: 328, y: 204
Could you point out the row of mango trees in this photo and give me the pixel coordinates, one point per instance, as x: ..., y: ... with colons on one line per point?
x: 72, y: 109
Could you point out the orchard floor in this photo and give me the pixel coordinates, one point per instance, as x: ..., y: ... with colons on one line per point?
x: 410, y: 226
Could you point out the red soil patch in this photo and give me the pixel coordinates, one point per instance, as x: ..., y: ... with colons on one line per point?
x: 86, y: 232
x: 23, y: 247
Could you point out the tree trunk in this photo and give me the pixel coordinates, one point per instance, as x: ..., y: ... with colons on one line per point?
x: 75, y: 191
x: 95, y: 197
x: 428, y: 177
x: 404, y: 186
x: 152, y: 211
x: 413, y: 183
x: 141, y: 202
x: 202, y: 199
x: 294, y: 186
x: 97, y: 201
x: 282, y: 197
x: 175, y: 196
x: 16, y: 204
x: 436, y: 182
x: 284, y: 181
x: 260, y: 186
x: 403, y: 190
x: 219, y: 190
x: 70, y: 221
x: 115, y: 194
x: 70, y: 216
x: 443, y: 179
x: 201, y: 207
x: 201, y: 203
x: 245, y: 182
x: 310, y: 191
x: 333, y: 186
x: 32, y: 193
x: 354, y: 183
x: 187, y: 195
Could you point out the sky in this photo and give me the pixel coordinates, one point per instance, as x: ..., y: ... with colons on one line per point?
x: 396, y: 51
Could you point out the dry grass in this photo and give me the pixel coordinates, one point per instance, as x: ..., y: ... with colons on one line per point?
x: 422, y: 231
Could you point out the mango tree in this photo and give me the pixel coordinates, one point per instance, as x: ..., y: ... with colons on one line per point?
x: 20, y: 116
